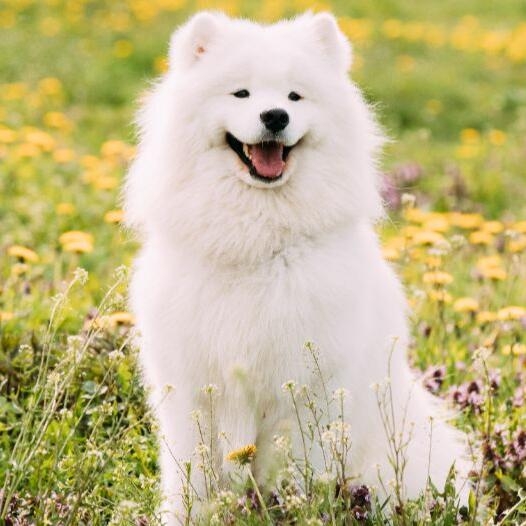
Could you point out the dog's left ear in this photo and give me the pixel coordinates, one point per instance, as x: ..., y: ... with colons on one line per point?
x: 335, y: 45
x: 192, y: 41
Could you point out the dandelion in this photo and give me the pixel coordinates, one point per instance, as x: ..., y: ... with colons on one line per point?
x: 76, y: 241
x: 65, y: 209
x: 121, y: 318
x: 437, y: 277
x: 75, y: 235
x: 517, y: 349
x: 427, y: 237
x: 466, y: 305
x: 486, y: 316
x: 6, y: 315
x: 497, y: 137
x: 465, y: 221
x: 519, y: 227
x: 440, y: 296
x: 243, y: 455
x: 517, y: 245
x: 436, y: 223
x: 512, y: 312
x: 114, y: 216
x: 23, y: 253
x: 63, y: 155
x: 494, y: 273
x: 470, y: 135
x: 493, y: 227
x: 19, y: 269
x: 390, y: 253
x: 80, y: 246
x: 481, y: 237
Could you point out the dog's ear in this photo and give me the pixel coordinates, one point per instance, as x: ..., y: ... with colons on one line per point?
x: 192, y: 41
x: 334, y: 43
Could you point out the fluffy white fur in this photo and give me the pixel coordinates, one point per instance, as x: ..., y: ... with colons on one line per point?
x: 235, y: 274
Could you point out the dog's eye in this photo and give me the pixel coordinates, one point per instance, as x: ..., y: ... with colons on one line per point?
x: 294, y: 96
x: 241, y: 94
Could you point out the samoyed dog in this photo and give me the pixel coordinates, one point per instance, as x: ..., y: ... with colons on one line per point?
x: 255, y: 193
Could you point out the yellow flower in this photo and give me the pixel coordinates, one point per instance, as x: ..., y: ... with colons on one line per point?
x: 243, y: 455
x: 113, y: 148
x: 56, y: 119
x: 7, y: 136
x: 76, y: 241
x: 486, y: 316
x: 440, y: 296
x: 50, y: 86
x: 18, y: 269
x: 512, y: 312
x: 437, y: 223
x: 391, y: 253
x: 160, y: 64
x: 519, y: 227
x: 427, y: 237
x: 6, y: 316
x: 63, y: 155
x: 433, y: 261
x: 470, y: 136
x: 65, y: 209
x: 515, y: 348
x: 416, y: 215
x: 492, y: 227
x: 120, y: 318
x: 90, y: 161
x: 392, y: 28
x: 480, y: 238
x: 105, y: 182
x: 75, y: 235
x: 409, y: 231
x: 495, y: 273
x: 41, y: 139
x: 114, y: 216
x: 467, y: 221
x: 489, y: 262
x: 79, y: 246
x: 497, y: 137
x: 23, y: 253
x: 517, y: 245
x: 466, y: 305
x: 437, y: 278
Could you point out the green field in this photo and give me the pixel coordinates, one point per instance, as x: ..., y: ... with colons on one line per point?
x: 448, y: 81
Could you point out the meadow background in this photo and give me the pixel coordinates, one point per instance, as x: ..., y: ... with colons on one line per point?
x: 448, y: 80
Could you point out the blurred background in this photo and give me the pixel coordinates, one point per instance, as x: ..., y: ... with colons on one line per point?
x: 448, y: 82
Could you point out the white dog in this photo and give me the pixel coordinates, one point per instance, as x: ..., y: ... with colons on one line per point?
x: 255, y: 193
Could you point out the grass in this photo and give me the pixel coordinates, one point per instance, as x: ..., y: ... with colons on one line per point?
x: 76, y: 442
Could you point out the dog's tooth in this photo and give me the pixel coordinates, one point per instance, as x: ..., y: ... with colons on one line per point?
x: 245, y: 150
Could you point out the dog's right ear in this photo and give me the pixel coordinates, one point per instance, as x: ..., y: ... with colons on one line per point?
x: 192, y: 41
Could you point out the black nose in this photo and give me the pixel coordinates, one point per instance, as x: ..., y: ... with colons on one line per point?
x: 275, y: 120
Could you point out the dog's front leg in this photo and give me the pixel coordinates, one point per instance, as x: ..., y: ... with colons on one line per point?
x: 237, y: 430
x: 182, y: 479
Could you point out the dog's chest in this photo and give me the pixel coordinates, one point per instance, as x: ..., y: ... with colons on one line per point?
x: 259, y: 320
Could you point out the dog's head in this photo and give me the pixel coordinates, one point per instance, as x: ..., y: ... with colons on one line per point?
x: 260, y: 119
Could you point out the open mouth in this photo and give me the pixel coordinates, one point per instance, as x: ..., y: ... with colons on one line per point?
x: 265, y: 161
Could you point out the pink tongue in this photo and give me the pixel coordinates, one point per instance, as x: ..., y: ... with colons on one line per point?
x: 267, y: 159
